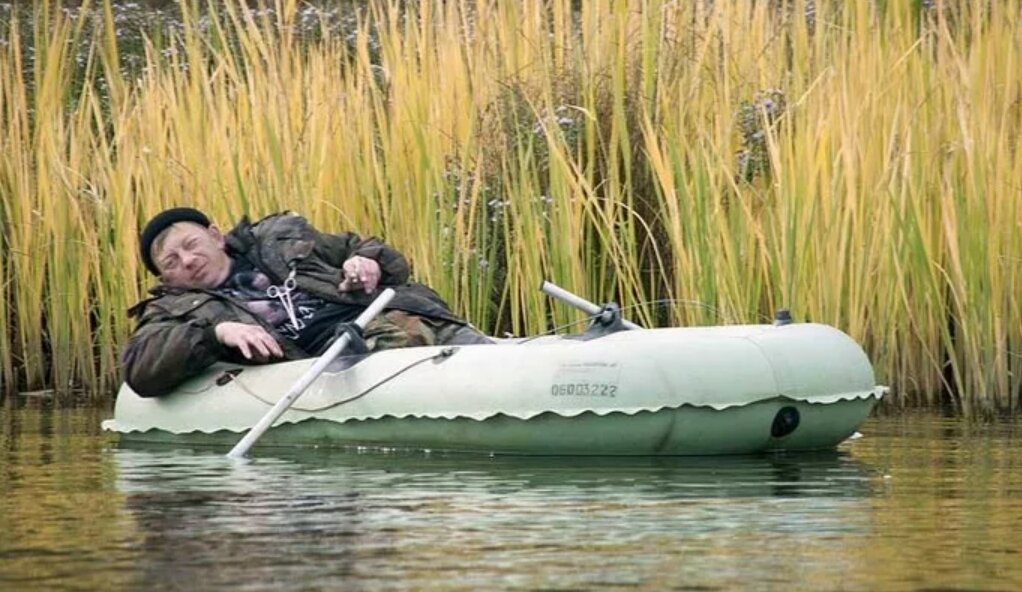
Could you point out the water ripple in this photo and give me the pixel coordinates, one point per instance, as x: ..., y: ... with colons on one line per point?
x: 917, y: 503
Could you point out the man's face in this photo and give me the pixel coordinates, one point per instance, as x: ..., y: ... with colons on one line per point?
x: 190, y: 255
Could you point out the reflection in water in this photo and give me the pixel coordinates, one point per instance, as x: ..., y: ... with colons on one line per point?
x: 62, y: 523
x: 210, y: 521
x: 429, y: 520
x: 918, y: 503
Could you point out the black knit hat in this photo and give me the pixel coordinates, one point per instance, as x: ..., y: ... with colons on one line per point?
x: 161, y: 222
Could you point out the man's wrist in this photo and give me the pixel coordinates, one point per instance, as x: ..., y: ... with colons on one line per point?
x: 212, y: 339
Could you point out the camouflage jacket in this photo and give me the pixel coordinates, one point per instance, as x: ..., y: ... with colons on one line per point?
x: 175, y: 338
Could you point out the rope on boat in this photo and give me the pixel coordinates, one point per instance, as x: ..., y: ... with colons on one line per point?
x: 449, y: 351
x: 660, y: 302
x: 444, y: 353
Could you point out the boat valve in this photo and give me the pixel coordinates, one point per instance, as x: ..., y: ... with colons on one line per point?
x: 444, y: 354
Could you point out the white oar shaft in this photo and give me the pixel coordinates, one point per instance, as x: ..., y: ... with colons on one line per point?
x: 578, y: 302
x: 243, y: 445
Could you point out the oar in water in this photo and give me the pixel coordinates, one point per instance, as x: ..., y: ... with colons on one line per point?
x: 310, y: 375
x: 578, y: 302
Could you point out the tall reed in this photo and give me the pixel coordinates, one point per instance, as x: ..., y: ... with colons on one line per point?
x: 699, y: 162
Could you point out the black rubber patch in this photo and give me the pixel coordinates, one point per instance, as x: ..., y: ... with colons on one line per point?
x: 785, y: 422
x: 228, y: 376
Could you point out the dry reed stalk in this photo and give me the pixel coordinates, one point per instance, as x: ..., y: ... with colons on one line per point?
x: 628, y: 152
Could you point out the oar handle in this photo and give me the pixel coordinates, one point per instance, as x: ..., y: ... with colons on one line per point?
x: 243, y: 445
x: 577, y: 301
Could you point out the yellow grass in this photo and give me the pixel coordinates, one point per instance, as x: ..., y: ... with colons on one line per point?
x: 499, y: 142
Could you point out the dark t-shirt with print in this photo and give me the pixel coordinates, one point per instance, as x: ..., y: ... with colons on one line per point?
x: 317, y: 319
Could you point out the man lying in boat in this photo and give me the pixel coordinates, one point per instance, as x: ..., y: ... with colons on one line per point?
x: 277, y: 289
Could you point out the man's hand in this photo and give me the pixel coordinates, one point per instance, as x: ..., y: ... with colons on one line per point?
x: 360, y: 273
x: 253, y: 341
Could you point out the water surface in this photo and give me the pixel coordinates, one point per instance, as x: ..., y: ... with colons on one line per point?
x: 918, y: 503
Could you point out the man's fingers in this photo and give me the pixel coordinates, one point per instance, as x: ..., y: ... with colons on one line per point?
x: 351, y: 278
x: 265, y: 345
x: 352, y: 284
x: 360, y: 273
x: 252, y: 341
x: 260, y: 347
x: 268, y: 345
x: 275, y: 348
x: 353, y: 268
x: 371, y: 277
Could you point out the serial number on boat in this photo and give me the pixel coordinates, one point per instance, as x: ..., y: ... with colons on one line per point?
x: 583, y: 389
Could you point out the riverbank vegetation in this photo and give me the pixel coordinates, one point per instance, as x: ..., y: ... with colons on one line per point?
x: 698, y: 162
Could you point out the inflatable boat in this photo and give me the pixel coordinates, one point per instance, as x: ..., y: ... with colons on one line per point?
x: 612, y: 391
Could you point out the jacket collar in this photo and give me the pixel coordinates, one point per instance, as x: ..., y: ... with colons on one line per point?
x: 240, y: 239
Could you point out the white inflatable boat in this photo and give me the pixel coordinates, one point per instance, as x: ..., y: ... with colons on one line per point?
x: 677, y: 391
